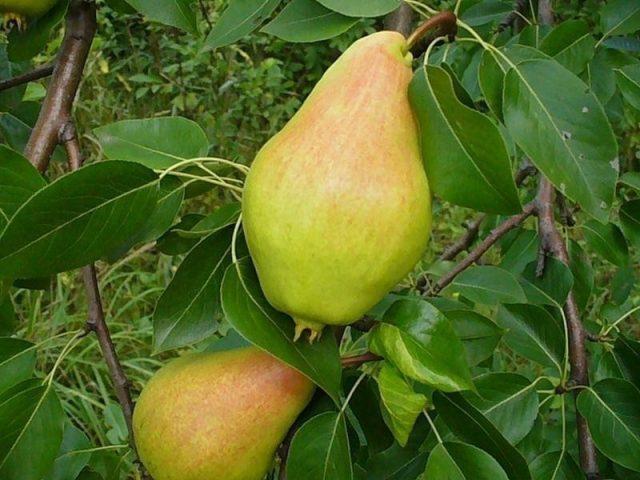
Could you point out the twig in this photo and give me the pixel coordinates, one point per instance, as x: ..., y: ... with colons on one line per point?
x: 473, y: 228
x: 358, y: 360
x: 551, y: 242
x: 97, y: 324
x: 495, y: 235
x: 57, y: 106
x: 33, y: 75
x: 465, y: 241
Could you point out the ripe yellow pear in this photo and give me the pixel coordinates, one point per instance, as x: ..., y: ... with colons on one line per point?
x: 27, y: 8
x: 336, y: 207
x: 218, y: 416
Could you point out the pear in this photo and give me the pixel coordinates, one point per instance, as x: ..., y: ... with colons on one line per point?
x: 336, y: 207
x: 221, y: 415
x: 27, y: 8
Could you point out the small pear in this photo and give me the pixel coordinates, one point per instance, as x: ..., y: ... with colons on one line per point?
x: 336, y: 207
x: 221, y: 415
x: 18, y: 10
x: 27, y: 8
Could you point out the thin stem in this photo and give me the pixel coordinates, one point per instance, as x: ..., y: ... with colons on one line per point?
x: 71, y: 344
x: 495, y: 235
x: 33, y: 75
x: 433, y: 426
x: 234, y: 240
x: 208, y: 180
x: 614, y: 325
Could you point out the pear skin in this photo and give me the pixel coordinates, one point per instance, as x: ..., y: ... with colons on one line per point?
x: 27, y: 8
x: 336, y: 207
x: 219, y: 415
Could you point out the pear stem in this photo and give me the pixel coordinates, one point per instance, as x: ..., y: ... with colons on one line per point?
x: 445, y: 21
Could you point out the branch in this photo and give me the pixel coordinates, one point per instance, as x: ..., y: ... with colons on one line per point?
x: 551, y: 242
x: 464, y: 242
x: 33, y: 75
x: 96, y: 323
x: 400, y: 20
x: 57, y: 106
x: 495, y: 235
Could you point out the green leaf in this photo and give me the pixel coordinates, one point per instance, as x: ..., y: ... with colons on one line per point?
x: 31, y: 425
x: 255, y: 319
x: 509, y: 401
x: 488, y: 285
x: 562, y: 128
x: 461, y: 169
x: 17, y: 361
x: 522, y: 251
x: 361, y: 8
x: 19, y: 180
x: 493, y: 69
x: 571, y: 44
x: 459, y: 461
x: 320, y: 450
x: 550, y: 289
x: 240, y: 19
x: 170, y: 198
x: 601, y: 72
x: 583, y: 275
x: 157, y: 143
x: 26, y: 44
x: 77, y: 219
x: 631, y: 179
x: 15, y: 131
x: 622, y: 284
x: 619, y: 17
x: 174, y: 241
x: 479, y: 334
x: 8, y: 319
x: 420, y: 342
x: 533, y: 333
x: 627, y: 355
x: 628, y: 79
x: 607, y: 241
x: 308, y: 21
x: 555, y: 466
x: 486, y: 11
x: 175, y: 13
x: 625, y: 44
x: 187, y: 310
x: 225, y: 215
x: 612, y: 410
x: 73, y: 456
x: 11, y: 98
x: 401, y: 404
x: 467, y: 423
